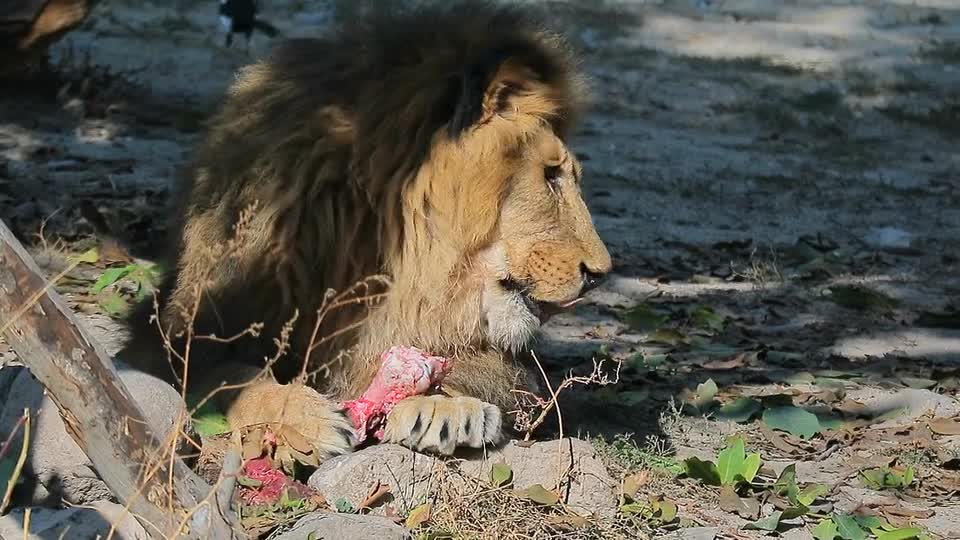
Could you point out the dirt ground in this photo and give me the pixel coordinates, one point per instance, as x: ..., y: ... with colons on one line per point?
x: 777, y: 182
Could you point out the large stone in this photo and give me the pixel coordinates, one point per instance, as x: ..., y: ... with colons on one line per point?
x: 88, y: 523
x: 412, y: 476
x: 56, y: 468
x: 329, y: 526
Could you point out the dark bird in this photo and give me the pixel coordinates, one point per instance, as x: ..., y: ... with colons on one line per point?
x: 240, y: 17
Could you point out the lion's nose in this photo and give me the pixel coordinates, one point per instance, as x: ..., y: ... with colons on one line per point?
x: 591, y: 279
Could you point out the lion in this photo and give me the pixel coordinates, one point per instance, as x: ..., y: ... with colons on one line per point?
x: 427, y: 145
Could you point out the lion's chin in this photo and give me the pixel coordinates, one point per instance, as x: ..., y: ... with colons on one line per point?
x: 511, y: 323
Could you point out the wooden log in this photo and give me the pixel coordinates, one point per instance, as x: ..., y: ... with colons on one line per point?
x: 98, y: 411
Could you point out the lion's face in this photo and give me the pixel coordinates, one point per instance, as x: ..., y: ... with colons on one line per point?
x: 547, y: 253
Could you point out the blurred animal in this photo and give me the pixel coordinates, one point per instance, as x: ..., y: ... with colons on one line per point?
x: 240, y: 17
x: 426, y: 144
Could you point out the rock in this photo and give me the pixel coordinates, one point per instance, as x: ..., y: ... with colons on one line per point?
x: 914, y: 403
x: 692, y: 533
x: 945, y: 522
x: 88, y: 523
x: 61, y: 469
x: 411, y: 476
x: 329, y: 526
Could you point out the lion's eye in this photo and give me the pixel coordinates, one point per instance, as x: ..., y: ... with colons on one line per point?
x: 552, y: 175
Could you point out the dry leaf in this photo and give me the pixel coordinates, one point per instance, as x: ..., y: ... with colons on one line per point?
x: 379, y: 491
x: 747, y: 508
x: 634, y: 482
x: 419, y: 515
x: 567, y: 522
x: 733, y: 362
x: 945, y: 426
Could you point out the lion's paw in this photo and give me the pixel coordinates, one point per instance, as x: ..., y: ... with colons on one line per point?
x: 441, y: 423
x: 318, y: 419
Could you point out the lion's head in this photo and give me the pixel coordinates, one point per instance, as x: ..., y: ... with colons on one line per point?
x: 430, y: 146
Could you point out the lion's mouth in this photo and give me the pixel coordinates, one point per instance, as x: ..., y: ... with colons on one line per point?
x: 541, y: 309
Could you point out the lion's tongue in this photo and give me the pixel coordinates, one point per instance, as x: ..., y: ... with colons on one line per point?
x: 549, y: 310
x: 404, y: 372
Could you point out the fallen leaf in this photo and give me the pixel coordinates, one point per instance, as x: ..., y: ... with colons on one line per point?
x: 378, y: 492
x: 917, y: 382
x: 643, y: 318
x: 90, y: 256
x: 666, y: 509
x: 344, y: 506
x: 667, y: 336
x: 418, y: 516
x: 769, y: 523
x: 538, y: 494
x: 848, y: 528
x: 705, y: 471
x: 734, y: 362
x: 633, y: 483
x: 742, y: 409
x: 705, y: 317
x: 793, y: 420
x: 860, y: 298
x: 747, y: 508
x: 900, y: 534
x: 567, y: 522
x: 945, y: 426
x: 501, y: 474
x: 826, y: 530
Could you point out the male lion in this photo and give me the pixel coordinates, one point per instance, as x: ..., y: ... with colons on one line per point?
x: 426, y: 145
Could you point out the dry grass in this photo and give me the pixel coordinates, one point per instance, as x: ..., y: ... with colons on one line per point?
x: 464, y: 507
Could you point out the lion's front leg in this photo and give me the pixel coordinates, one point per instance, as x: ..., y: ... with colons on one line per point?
x: 319, y: 419
x: 442, y: 424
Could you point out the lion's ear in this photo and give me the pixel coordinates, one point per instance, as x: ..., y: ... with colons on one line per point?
x: 486, y: 89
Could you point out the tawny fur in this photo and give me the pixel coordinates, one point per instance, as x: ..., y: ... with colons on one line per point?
x: 409, y: 144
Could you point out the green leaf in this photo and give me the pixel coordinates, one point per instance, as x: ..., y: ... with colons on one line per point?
x: 538, y: 494
x: 705, y: 471
x: 702, y: 399
x: 848, y: 528
x: 730, y: 462
x: 668, y: 511
x: 900, y: 534
x: 634, y: 508
x: 344, y: 506
x: 769, y: 523
x: 811, y: 493
x: 793, y: 420
x: 826, y: 530
x: 90, y: 256
x: 501, y: 474
x: 643, y: 318
x: 111, y: 276
x: 751, y: 466
x: 208, y: 421
x: 705, y: 317
x: 113, y: 303
x: 740, y: 410
x: 860, y: 298
x: 871, y: 522
x: 786, y: 484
